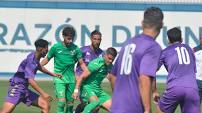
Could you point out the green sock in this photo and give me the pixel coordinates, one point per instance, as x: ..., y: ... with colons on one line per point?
x: 91, y: 106
x: 60, y: 107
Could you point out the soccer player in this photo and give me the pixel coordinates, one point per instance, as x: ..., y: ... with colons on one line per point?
x: 136, y: 66
x: 18, y: 90
x: 89, y: 53
x: 91, y: 80
x: 198, y: 56
x: 181, y: 88
x: 66, y: 55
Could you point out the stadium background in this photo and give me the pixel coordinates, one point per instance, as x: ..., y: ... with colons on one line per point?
x: 24, y: 21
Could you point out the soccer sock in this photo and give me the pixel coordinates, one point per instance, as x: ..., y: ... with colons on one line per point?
x: 69, y: 107
x: 91, y: 106
x: 60, y: 107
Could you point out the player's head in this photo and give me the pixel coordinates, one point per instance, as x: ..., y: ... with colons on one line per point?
x: 110, y: 55
x: 41, y: 47
x: 96, y: 38
x: 68, y: 34
x: 153, y: 18
x: 200, y: 36
x: 174, y: 35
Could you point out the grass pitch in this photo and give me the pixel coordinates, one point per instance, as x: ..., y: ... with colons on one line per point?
x: 48, y: 87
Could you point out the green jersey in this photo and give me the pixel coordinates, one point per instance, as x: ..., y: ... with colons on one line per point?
x: 98, y: 70
x: 64, y: 61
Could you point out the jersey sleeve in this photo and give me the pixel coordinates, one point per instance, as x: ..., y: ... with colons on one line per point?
x: 150, y: 61
x: 161, y: 60
x: 51, y: 52
x: 93, y: 66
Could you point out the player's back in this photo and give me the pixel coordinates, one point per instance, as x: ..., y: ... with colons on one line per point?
x: 139, y: 55
x: 179, y: 61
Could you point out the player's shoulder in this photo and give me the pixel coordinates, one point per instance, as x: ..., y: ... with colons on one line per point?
x: 85, y: 48
x: 148, y: 41
x: 56, y: 45
x: 98, y: 61
x: 31, y: 57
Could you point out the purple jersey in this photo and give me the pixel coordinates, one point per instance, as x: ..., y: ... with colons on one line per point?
x: 18, y: 90
x: 88, y: 55
x: 27, y: 69
x: 139, y: 55
x: 179, y: 61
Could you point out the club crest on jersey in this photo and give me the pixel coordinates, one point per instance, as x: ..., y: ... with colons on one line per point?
x: 60, y: 51
x: 72, y: 52
x: 87, y: 53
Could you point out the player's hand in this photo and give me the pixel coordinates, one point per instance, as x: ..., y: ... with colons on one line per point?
x: 75, y: 94
x: 156, y: 97
x: 58, y: 75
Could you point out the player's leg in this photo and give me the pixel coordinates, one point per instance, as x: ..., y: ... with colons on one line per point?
x: 89, y: 95
x: 191, y: 102
x: 8, y: 107
x: 93, y: 104
x: 60, y: 90
x: 34, y: 99
x: 12, y: 99
x: 43, y: 104
x: 69, y: 99
x: 105, y: 100
x: 169, y: 100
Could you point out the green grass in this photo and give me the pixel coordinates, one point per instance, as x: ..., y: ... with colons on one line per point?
x: 48, y: 86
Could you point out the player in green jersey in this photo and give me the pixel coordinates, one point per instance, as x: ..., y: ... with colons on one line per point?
x: 91, y: 79
x: 66, y: 55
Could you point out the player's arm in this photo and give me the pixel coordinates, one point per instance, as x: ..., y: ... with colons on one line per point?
x: 49, y: 56
x: 44, y: 70
x: 111, y: 79
x: 44, y: 61
x: 83, y: 76
x: 155, y: 93
x: 150, y: 59
x: 145, y: 83
x: 82, y: 64
x: 36, y: 87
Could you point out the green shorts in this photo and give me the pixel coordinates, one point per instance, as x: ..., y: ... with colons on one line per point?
x: 64, y: 90
x: 86, y: 93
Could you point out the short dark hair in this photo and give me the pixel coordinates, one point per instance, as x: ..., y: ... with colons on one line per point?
x: 174, y: 35
x: 153, y: 17
x: 112, y: 51
x: 96, y: 32
x: 69, y: 31
x: 41, y: 43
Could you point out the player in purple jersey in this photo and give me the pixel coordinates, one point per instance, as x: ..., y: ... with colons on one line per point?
x: 136, y: 67
x: 18, y: 90
x: 89, y: 53
x: 181, y: 88
x: 92, y: 51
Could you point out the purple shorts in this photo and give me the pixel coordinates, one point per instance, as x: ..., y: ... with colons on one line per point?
x: 17, y: 94
x: 187, y: 98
